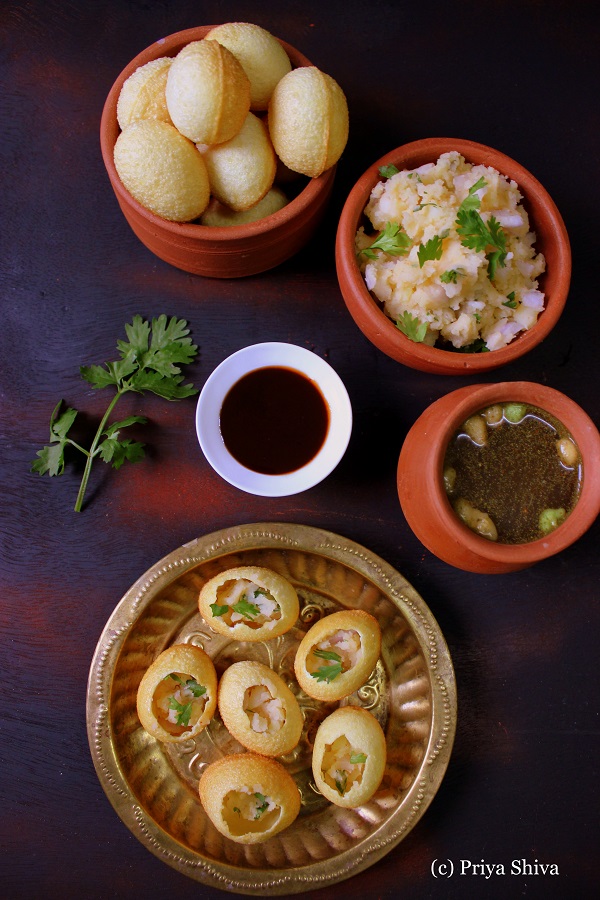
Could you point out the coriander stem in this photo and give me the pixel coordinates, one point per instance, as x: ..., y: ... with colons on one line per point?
x: 93, y: 450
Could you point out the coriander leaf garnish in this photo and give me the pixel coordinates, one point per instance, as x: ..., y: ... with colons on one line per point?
x: 392, y: 241
x: 184, y: 711
x: 388, y: 171
x: 358, y: 758
x: 412, y: 327
x: 476, y: 235
x: 218, y: 610
x: 430, y: 250
x: 477, y: 346
x: 198, y: 690
x: 510, y: 301
x: 264, y: 805
x: 423, y: 205
x: 328, y: 654
x: 248, y: 610
x: 328, y: 673
x: 150, y: 361
x: 450, y: 275
x: 341, y: 781
x: 174, y: 676
x: 472, y: 201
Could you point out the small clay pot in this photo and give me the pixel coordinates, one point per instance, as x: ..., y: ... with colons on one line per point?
x: 423, y: 497
x: 227, y: 252
x: 551, y: 239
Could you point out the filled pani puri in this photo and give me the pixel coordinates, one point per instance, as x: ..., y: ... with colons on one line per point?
x: 177, y: 696
x: 349, y: 756
x: 249, y: 603
x: 259, y: 709
x: 248, y: 797
x: 337, y: 654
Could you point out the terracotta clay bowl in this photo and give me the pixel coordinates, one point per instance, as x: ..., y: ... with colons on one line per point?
x: 551, y: 239
x: 424, y: 500
x: 228, y: 252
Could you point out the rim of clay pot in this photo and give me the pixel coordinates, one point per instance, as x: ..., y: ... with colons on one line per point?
x: 109, y: 131
x: 545, y: 220
x: 463, y: 547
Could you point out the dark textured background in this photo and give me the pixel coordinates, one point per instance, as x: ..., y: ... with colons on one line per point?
x: 519, y: 75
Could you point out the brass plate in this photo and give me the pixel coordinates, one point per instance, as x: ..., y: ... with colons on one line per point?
x: 153, y: 787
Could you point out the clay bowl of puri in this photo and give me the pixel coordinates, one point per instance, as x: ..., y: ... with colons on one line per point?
x: 218, y: 251
x: 273, y: 419
x: 493, y: 478
x: 467, y: 296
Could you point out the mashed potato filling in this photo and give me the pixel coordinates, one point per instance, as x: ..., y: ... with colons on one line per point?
x: 265, y: 712
x: 470, y: 297
x: 342, y: 765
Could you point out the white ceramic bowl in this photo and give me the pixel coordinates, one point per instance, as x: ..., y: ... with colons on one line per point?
x: 258, y: 356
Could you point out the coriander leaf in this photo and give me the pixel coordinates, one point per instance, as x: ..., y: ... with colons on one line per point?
x: 328, y: 673
x: 237, y: 810
x: 422, y: 205
x: 264, y: 805
x: 218, y: 610
x: 472, y: 201
x: 341, y: 781
x: 410, y: 326
x: 328, y: 654
x: 510, y: 301
x: 472, y: 230
x: 358, y: 758
x: 174, y: 676
x: 430, y: 250
x: 477, y: 346
x: 392, y: 241
x: 184, y: 711
x: 248, y: 610
x: 450, y: 276
x: 51, y: 458
x: 198, y: 690
x: 388, y: 171
x: 149, y: 362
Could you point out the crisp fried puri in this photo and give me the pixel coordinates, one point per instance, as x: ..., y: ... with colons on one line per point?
x: 143, y: 94
x: 162, y: 170
x: 241, y: 170
x: 208, y: 93
x: 337, y: 655
x: 259, y: 709
x: 217, y: 215
x: 177, y: 695
x: 263, y: 59
x: 308, y: 121
x: 249, y: 603
x: 349, y: 756
x: 249, y: 798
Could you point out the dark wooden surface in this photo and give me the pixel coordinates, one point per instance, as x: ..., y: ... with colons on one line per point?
x: 520, y: 75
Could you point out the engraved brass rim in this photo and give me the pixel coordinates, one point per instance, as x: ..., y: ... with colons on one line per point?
x: 153, y: 787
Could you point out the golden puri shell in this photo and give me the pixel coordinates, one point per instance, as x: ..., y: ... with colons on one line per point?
x: 263, y: 59
x: 347, y: 682
x: 308, y: 121
x: 241, y: 170
x: 277, y: 586
x: 208, y: 93
x: 143, y: 93
x: 162, y: 170
x: 241, y: 677
x: 186, y: 660
x: 217, y: 215
x: 226, y: 778
x: 365, y: 736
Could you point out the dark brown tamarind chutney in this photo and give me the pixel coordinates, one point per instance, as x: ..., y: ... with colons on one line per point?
x: 274, y: 420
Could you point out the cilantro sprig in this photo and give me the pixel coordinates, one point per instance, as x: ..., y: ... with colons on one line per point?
x: 331, y: 671
x: 392, y: 241
x: 431, y: 249
x: 184, y: 711
x: 150, y: 360
x: 263, y: 804
x: 478, y: 235
x: 410, y: 326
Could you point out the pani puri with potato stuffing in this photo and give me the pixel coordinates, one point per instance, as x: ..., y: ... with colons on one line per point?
x: 349, y: 756
x: 249, y: 798
x: 177, y: 695
x: 337, y: 654
x: 259, y: 709
x: 249, y: 603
